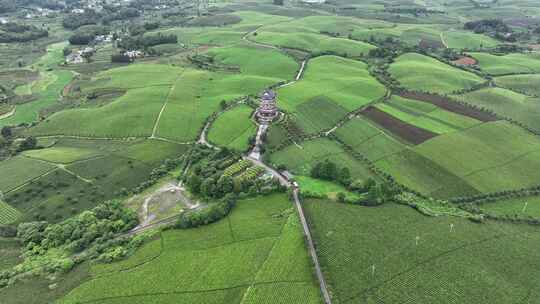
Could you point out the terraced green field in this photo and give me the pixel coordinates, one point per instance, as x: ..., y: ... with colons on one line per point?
x: 422, y: 73
x: 55, y: 197
x: 132, y: 114
x: 368, y: 140
x: 467, y: 40
x: 426, y: 116
x: 197, y: 93
x: 506, y: 103
x: 47, y: 88
x: 314, y: 43
x: 257, y: 251
x: 169, y: 101
x: 424, y: 175
x: 233, y: 128
x: 341, y: 25
x: 528, y: 84
x: 508, y: 64
x: 48, y: 95
x: 330, y: 87
x: 8, y: 214
x: 16, y: 171
x: 410, y: 34
x: 309, y: 185
x: 81, y: 174
x: 429, y: 262
x: 62, y: 154
x: 413, y: 34
x: 300, y: 159
x: 485, y: 158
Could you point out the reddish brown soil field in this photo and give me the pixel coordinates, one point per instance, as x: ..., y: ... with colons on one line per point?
x: 450, y: 105
x: 465, y: 61
x: 399, y: 128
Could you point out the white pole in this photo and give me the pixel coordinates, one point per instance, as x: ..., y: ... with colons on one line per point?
x: 373, y: 270
x: 525, y: 207
x: 451, y: 227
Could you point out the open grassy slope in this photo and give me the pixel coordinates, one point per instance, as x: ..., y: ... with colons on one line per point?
x: 367, y: 139
x: 330, y: 88
x: 426, y: 116
x: 300, y: 159
x: 132, y: 114
x: 508, y: 64
x: 183, y: 97
x: 47, y: 88
x: 487, y: 158
x: 233, y: 128
x: 369, y: 255
x: 507, y: 103
x: 257, y: 254
x: 522, y: 207
x: 422, y: 73
x: 8, y: 214
x: 19, y: 170
x: 314, y: 43
x: 413, y: 34
x: 74, y: 175
x: 487, y: 146
x: 528, y: 84
x: 198, y: 93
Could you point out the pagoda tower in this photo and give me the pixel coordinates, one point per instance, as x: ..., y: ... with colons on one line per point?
x: 267, y: 110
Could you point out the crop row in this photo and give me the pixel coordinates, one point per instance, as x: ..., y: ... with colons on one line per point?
x: 8, y: 214
x: 251, y: 174
x: 237, y: 167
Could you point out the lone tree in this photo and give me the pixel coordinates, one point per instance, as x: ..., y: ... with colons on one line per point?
x: 6, y: 132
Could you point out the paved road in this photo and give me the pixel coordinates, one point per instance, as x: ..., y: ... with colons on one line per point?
x: 307, y: 233
x: 312, y: 251
x: 282, y: 180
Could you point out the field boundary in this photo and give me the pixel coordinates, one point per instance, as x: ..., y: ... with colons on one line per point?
x: 403, y: 130
x: 450, y: 105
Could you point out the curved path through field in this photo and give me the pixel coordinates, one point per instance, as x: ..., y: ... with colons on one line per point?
x: 8, y: 114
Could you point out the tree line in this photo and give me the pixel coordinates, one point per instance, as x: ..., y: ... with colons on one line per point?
x: 16, y: 32
x: 371, y: 192
x: 93, y: 234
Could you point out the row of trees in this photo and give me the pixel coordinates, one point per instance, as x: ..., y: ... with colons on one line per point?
x: 79, y: 232
x: 208, y: 215
x: 146, y: 41
x: 328, y: 170
x: 15, y: 32
x: 373, y: 193
x: 74, y: 21
x: 86, y: 34
x: 10, y: 147
x: 493, y: 27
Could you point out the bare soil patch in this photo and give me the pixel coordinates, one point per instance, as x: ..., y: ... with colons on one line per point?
x: 398, y: 127
x: 465, y: 61
x: 450, y: 105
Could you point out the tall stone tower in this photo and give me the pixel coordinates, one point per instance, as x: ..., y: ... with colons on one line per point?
x: 267, y: 110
